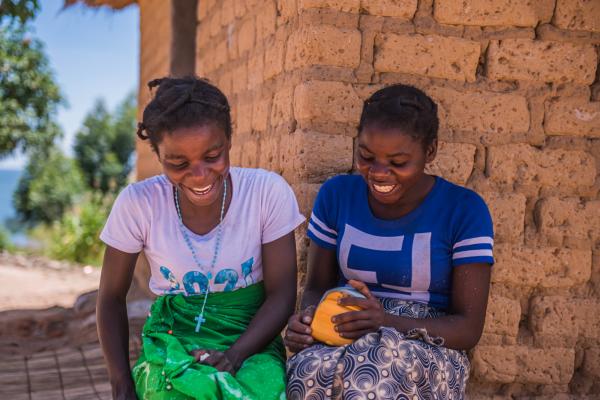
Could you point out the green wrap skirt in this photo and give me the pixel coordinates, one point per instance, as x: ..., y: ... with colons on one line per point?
x: 166, y: 370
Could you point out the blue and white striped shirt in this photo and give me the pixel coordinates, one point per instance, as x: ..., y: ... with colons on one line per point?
x: 411, y: 257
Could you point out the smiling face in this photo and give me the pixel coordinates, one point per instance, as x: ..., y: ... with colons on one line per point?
x: 393, y: 165
x: 196, y: 160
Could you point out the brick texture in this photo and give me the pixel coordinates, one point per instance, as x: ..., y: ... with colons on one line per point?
x: 493, y: 13
x: 524, y: 165
x: 335, y: 101
x: 306, y: 194
x: 266, y: 20
x: 506, y: 364
x: 239, y: 78
x: 214, y: 22
x: 591, y: 363
x: 228, y: 12
x: 573, y: 117
x: 260, y: 115
x: 570, y: 219
x: 494, y: 364
x: 256, y: 66
x: 434, y: 56
x: 454, y: 162
x: 246, y: 35
x: 557, y: 316
x: 581, y: 15
x: 243, y: 120
x: 286, y: 10
x: 274, y: 59
x: 390, y: 8
x: 352, y: 6
x: 546, y: 267
x: 508, y: 215
x: 554, y: 61
x: 323, y: 45
x: 155, y: 53
x: 313, y: 156
x: 282, y: 111
x: 482, y: 111
x: 270, y: 156
x: 503, y: 315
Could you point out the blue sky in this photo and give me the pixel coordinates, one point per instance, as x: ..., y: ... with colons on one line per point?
x: 94, y: 54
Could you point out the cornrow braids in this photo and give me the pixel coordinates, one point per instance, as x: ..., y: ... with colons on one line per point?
x: 405, y: 108
x: 183, y: 103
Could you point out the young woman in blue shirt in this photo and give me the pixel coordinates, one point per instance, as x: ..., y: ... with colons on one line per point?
x: 417, y: 247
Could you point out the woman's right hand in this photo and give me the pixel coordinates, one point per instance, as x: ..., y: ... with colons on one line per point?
x: 298, y: 333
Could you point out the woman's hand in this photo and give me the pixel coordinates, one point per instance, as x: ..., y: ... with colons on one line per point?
x: 354, y: 324
x: 222, y: 361
x: 298, y: 332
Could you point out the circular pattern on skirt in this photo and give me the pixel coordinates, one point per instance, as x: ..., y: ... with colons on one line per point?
x: 382, y: 365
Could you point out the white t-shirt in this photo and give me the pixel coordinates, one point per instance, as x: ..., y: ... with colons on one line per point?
x: 263, y: 208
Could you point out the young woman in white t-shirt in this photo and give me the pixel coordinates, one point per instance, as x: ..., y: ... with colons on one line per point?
x: 220, y: 244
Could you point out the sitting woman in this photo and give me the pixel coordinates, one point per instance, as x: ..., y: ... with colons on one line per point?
x: 417, y: 247
x: 220, y: 244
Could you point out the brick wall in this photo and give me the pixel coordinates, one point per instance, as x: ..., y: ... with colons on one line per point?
x: 518, y: 93
x: 155, y: 56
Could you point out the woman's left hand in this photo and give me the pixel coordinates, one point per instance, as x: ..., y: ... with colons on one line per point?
x: 354, y: 324
x: 217, y: 359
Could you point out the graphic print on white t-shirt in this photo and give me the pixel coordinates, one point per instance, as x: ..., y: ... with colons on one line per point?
x: 196, y: 282
x: 263, y: 208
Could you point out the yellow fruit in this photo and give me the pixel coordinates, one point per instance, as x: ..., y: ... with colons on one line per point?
x: 322, y: 327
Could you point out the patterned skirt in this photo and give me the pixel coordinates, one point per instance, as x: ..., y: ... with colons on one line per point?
x: 381, y: 365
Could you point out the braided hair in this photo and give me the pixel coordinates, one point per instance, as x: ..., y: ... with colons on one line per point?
x: 405, y: 108
x: 183, y: 103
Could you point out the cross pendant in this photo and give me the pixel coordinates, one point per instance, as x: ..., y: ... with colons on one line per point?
x: 200, y: 319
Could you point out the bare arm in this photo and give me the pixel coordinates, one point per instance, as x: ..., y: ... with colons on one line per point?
x: 461, y: 328
x: 111, y: 313
x: 279, y: 275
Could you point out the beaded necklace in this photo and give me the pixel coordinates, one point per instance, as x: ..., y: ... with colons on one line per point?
x: 200, y: 318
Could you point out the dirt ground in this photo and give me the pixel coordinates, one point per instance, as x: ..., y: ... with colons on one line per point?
x: 37, y: 283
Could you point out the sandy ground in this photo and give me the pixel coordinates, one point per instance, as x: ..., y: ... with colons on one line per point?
x: 38, y: 285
